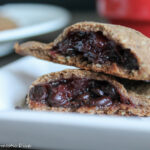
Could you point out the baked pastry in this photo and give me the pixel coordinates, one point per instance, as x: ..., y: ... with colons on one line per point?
x: 7, y: 23
x: 88, y: 92
x: 98, y: 47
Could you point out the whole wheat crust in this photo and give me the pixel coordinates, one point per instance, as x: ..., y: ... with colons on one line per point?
x: 139, y: 94
x: 127, y: 38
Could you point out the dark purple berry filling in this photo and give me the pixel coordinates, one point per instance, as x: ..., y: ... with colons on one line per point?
x: 96, y: 48
x: 77, y: 92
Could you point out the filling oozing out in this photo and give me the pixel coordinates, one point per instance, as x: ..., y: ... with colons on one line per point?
x: 77, y: 92
x: 95, y: 48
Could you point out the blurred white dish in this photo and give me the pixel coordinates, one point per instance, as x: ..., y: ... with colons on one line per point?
x: 68, y: 131
x: 33, y: 20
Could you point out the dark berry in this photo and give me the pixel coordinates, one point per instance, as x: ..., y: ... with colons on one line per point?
x: 38, y: 92
x: 84, y: 98
x: 60, y: 96
x: 101, y: 102
x: 98, y: 91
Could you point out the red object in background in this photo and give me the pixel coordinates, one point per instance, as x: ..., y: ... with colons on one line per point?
x: 130, y: 13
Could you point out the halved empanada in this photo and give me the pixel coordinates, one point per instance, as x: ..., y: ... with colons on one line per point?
x: 88, y: 92
x: 99, y: 47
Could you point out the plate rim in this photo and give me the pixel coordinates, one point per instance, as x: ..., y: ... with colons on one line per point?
x: 45, y: 27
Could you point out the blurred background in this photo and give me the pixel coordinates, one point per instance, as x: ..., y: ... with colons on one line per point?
x: 72, y: 5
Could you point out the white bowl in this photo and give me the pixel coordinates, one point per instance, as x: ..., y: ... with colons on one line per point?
x: 33, y: 20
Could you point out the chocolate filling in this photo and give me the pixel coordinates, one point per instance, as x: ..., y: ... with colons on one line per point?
x: 96, y: 48
x: 77, y: 92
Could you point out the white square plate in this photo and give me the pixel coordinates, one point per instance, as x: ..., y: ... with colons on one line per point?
x: 60, y: 130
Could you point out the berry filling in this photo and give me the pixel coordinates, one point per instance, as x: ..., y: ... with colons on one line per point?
x: 95, y: 48
x: 77, y: 92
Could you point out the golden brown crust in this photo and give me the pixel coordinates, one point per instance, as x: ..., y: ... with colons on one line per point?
x: 141, y: 103
x: 125, y: 37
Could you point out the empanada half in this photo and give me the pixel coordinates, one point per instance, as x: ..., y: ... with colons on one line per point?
x: 88, y: 92
x: 98, y: 47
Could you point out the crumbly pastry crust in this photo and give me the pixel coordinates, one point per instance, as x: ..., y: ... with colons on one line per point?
x: 127, y: 38
x: 140, y: 95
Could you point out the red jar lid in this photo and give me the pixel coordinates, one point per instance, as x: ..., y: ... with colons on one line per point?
x: 143, y: 27
x: 125, y: 9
